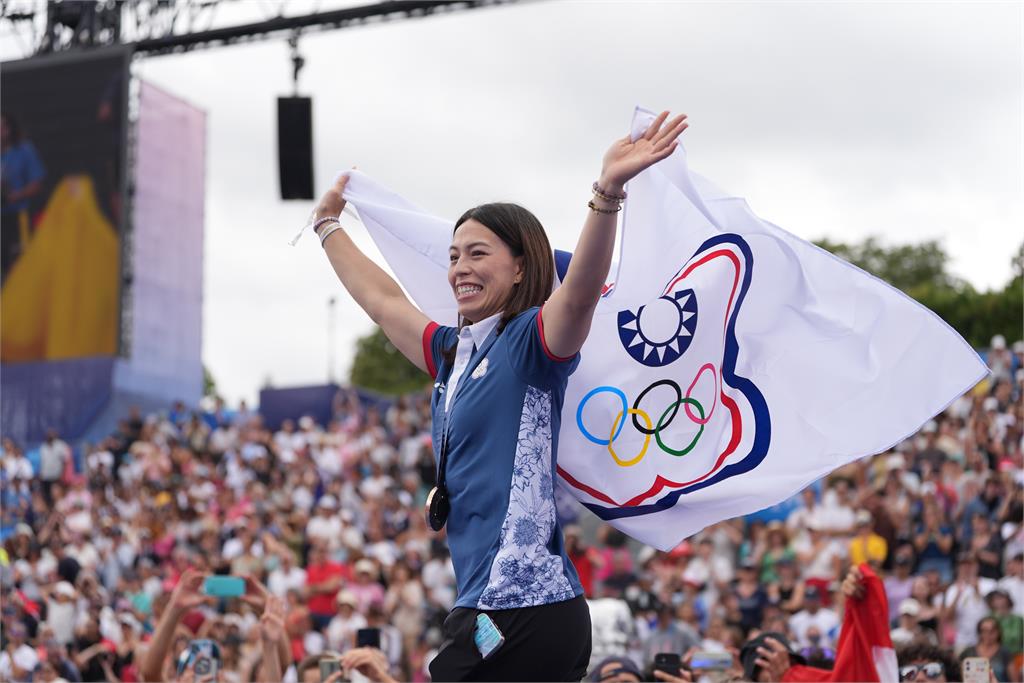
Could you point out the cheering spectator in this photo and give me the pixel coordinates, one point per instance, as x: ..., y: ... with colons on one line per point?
x: 909, y: 629
x: 341, y: 631
x: 584, y: 558
x: 92, y: 575
x: 866, y: 545
x: 286, y: 576
x: 925, y: 662
x: 899, y: 584
x: 668, y: 635
x: 813, y: 615
x: 990, y: 646
x: 933, y: 541
x: 964, y: 600
x: 54, y: 457
x: 1010, y: 625
x: 366, y: 588
x: 324, y: 578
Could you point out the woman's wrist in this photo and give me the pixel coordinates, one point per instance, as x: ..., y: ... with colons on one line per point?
x: 322, y: 221
x: 611, y: 186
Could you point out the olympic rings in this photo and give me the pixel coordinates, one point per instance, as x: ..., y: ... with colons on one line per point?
x: 579, y: 415
x: 675, y: 406
x: 636, y: 404
x: 714, y: 393
x: 639, y: 415
x: 647, y: 438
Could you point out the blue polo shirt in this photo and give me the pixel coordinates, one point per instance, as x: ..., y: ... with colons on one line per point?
x: 502, y: 426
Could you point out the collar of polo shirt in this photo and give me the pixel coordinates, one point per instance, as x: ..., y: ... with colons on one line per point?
x: 483, y: 329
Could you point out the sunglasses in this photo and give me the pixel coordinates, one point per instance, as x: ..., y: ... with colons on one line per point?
x: 932, y: 670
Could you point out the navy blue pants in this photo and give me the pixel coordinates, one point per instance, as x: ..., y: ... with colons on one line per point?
x: 543, y: 643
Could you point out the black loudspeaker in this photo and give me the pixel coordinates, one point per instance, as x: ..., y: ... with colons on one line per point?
x: 295, y: 147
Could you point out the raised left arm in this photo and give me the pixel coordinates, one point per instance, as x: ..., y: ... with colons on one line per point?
x: 570, y: 310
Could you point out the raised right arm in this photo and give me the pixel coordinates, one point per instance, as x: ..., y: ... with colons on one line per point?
x: 375, y: 291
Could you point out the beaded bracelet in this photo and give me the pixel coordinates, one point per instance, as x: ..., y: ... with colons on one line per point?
x: 321, y: 221
x: 328, y: 232
x: 598, y: 209
x: 606, y: 196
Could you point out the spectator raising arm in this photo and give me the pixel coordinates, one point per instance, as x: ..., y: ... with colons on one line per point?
x: 186, y: 596
x: 272, y: 635
x: 257, y: 595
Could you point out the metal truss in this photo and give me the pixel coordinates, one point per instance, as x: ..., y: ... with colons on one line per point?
x: 157, y: 27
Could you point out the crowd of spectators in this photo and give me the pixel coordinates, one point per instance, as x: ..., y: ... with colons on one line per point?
x: 101, y: 551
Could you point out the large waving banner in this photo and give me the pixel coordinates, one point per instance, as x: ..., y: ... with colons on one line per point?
x: 730, y: 363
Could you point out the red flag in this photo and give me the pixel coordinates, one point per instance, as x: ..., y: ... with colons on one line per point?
x: 864, y: 651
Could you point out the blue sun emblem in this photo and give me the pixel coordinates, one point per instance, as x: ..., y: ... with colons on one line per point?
x: 660, y: 331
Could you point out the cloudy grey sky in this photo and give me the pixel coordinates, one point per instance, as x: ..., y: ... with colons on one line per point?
x: 839, y: 120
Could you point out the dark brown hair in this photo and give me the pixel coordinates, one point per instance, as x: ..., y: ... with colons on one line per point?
x: 922, y: 651
x: 524, y: 235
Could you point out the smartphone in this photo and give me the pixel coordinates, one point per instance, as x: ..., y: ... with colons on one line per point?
x: 975, y: 670
x: 486, y: 636
x: 669, y: 662
x: 203, y: 656
x: 368, y: 637
x: 328, y: 666
x: 711, y: 661
x: 224, y: 586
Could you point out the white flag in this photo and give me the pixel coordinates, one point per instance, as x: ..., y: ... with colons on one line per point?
x: 730, y: 364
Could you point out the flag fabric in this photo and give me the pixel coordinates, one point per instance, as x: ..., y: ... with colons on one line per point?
x: 729, y: 363
x: 864, y: 651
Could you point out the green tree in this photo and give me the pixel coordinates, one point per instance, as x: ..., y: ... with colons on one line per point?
x: 904, y: 266
x: 209, y: 383
x: 920, y: 271
x: 380, y: 367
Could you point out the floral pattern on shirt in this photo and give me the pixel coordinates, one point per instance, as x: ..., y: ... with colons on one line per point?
x: 524, y: 573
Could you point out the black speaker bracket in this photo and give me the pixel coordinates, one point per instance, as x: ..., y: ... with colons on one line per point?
x: 298, y: 61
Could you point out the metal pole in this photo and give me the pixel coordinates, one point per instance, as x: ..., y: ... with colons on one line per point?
x: 330, y: 339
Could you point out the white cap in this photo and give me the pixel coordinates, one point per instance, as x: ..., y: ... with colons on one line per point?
x: 990, y: 403
x: 910, y: 606
x: 895, y: 462
x: 999, y: 342
x: 26, y: 659
x: 65, y: 588
x: 328, y: 502
x: 645, y: 555
x: 930, y: 427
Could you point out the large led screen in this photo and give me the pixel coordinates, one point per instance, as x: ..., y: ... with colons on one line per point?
x: 64, y: 125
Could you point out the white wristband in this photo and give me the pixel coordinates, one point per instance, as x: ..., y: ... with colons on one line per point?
x: 329, y: 231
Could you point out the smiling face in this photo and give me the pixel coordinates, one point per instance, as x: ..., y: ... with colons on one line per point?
x: 482, y: 271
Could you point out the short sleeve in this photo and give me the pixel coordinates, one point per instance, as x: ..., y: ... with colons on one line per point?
x: 529, y: 353
x: 437, y: 338
x: 35, y: 166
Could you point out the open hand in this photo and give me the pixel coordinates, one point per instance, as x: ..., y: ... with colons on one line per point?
x: 626, y: 158
x: 256, y: 593
x: 774, y: 658
x: 272, y: 621
x: 368, y: 661
x: 188, y: 594
x: 683, y: 677
x: 332, y: 204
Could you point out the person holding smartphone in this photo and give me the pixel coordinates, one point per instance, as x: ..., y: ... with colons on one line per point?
x: 501, y: 376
